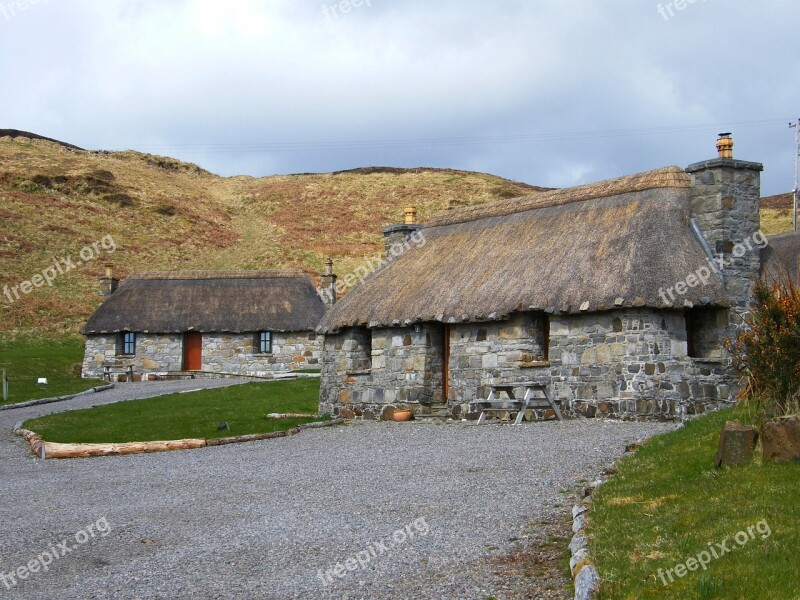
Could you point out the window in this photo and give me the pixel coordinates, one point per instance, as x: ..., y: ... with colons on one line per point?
x: 264, y: 342
x: 127, y: 344
x: 705, y: 330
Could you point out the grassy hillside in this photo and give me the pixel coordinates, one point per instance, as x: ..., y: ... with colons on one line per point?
x: 776, y: 214
x: 161, y: 213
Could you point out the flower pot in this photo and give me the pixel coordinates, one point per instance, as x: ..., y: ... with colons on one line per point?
x: 403, y: 415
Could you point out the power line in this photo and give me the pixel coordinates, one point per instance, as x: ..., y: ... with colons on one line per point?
x: 226, y: 148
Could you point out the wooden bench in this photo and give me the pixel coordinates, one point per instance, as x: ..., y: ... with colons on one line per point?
x: 493, y: 404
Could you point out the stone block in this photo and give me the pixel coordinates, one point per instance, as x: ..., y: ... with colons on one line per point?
x: 589, y: 357
x: 489, y: 361
x: 781, y: 440
x: 736, y: 444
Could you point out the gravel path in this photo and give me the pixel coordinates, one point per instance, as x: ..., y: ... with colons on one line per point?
x: 267, y: 519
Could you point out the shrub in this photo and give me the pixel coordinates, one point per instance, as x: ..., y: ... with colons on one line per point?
x: 767, y: 352
x: 43, y: 181
x: 121, y: 199
x: 166, y: 208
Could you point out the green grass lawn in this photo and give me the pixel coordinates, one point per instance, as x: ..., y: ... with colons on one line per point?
x: 189, y: 415
x: 58, y: 361
x: 668, y: 503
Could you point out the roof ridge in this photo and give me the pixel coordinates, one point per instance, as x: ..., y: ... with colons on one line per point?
x: 208, y: 274
x: 666, y: 177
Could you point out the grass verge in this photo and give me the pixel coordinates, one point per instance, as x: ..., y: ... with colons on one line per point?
x: 187, y: 415
x: 59, y: 361
x: 668, y: 503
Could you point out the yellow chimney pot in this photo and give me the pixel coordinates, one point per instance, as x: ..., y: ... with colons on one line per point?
x: 411, y: 215
x: 725, y: 145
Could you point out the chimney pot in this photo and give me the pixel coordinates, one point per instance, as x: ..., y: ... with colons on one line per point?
x: 328, y: 280
x: 725, y: 145
x: 411, y: 215
x: 108, y: 283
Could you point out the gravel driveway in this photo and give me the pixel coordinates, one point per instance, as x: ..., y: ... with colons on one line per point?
x: 429, y: 509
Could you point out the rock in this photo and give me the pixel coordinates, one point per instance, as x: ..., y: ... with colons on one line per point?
x: 781, y: 440
x: 587, y: 491
x: 578, y: 510
x: 578, y: 523
x: 578, y: 542
x: 223, y: 426
x: 736, y: 445
x: 579, y: 560
x: 586, y: 583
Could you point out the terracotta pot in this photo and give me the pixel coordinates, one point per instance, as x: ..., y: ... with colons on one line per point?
x: 403, y: 415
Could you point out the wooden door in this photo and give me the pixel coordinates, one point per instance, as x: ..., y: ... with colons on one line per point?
x: 192, y: 351
x: 446, y: 364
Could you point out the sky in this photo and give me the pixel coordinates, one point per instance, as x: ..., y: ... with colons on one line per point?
x: 549, y: 92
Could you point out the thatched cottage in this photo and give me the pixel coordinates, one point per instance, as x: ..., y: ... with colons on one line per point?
x: 228, y: 322
x: 618, y: 295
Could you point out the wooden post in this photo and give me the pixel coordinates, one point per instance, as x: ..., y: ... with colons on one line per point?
x: 5, y: 386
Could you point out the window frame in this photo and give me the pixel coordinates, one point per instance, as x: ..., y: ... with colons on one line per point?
x: 127, y: 340
x: 260, y: 338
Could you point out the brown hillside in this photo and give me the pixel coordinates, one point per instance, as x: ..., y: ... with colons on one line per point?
x: 161, y: 213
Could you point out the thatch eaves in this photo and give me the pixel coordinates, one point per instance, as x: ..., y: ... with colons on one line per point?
x: 609, y: 245
x: 210, y: 301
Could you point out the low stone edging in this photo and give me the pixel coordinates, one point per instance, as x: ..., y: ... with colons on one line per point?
x: 99, y: 388
x: 584, y: 573
x: 45, y: 449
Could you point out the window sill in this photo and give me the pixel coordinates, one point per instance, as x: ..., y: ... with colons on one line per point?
x: 534, y: 364
x: 357, y: 373
x: 709, y: 361
x: 125, y: 356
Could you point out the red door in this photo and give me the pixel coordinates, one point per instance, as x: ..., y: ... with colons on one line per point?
x: 192, y: 351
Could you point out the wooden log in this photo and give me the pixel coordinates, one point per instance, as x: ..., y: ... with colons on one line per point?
x: 289, y: 415
x: 254, y: 437
x: 34, y: 439
x: 56, y: 450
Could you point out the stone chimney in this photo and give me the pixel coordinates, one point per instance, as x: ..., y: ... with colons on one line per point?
x: 724, y: 207
x: 108, y: 283
x: 397, y: 234
x: 328, y: 283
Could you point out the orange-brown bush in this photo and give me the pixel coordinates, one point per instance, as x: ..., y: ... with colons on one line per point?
x: 767, y: 352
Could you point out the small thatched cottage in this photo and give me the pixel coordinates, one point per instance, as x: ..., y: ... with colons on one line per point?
x: 617, y: 294
x: 782, y: 257
x: 228, y: 322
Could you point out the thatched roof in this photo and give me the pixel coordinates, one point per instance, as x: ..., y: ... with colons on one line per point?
x: 590, y: 248
x: 210, y: 301
x: 782, y: 256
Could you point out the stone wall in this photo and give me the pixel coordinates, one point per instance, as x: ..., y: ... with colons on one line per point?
x: 629, y: 364
x: 222, y: 353
x: 371, y: 369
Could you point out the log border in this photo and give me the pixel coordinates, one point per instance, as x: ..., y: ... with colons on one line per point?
x: 44, y: 449
x: 94, y: 390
